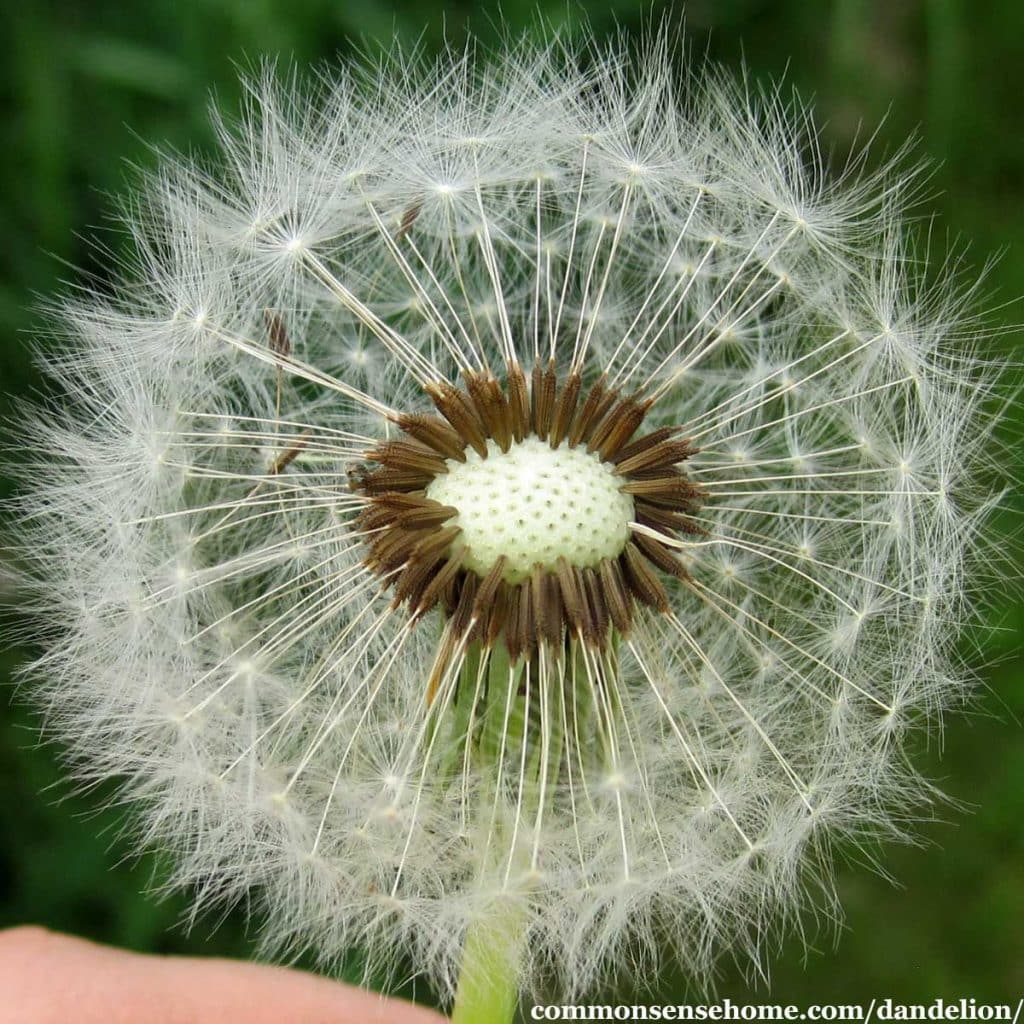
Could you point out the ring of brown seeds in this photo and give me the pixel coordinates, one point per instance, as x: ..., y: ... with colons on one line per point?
x: 421, y: 555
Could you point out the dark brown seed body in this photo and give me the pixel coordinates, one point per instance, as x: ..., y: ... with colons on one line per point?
x: 278, y: 333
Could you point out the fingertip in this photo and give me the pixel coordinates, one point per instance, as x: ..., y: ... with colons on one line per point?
x: 48, y: 978
x: 263, y: 994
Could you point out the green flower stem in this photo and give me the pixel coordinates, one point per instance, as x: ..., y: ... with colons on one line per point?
x: 521, y: 727
x: 488, y: 986
x: 488, y: 989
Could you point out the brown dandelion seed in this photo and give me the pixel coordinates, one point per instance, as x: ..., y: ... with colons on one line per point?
x: 277, y: 333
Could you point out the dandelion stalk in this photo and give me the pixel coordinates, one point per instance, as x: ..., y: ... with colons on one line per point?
x: 488, y: 988
x: 489, y: 975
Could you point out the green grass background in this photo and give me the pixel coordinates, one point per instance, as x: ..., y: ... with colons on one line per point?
x: 85, y: 84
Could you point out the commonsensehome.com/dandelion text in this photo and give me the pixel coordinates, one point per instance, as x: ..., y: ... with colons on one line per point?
x: 964, y: 1009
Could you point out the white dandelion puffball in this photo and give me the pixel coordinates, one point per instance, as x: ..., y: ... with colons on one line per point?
x: 528, y: 495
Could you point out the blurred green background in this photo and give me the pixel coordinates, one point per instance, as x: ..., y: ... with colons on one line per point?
x: 86, y: 84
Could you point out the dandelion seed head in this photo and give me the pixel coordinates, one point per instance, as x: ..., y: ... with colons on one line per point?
x: 507, y: 488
